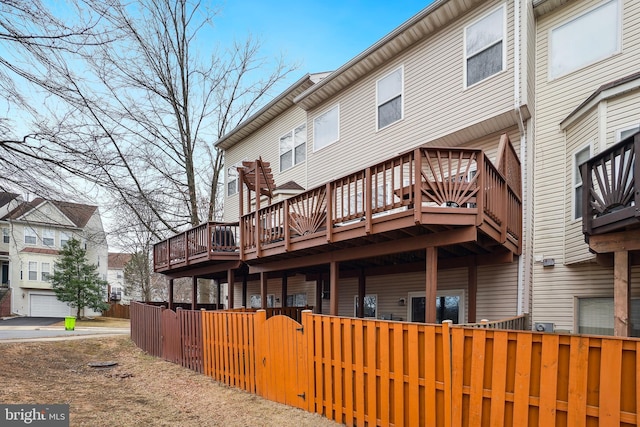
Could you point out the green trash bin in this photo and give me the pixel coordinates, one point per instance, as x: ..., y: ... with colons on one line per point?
x: 69, y: 323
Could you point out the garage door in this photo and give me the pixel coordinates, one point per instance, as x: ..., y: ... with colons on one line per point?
x: 47, y: 306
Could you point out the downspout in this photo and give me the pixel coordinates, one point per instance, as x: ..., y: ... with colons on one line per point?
x: 516, y: 78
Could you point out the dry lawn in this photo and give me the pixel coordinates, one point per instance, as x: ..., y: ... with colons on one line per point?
x: 140, y: 391
x: 100, y: 322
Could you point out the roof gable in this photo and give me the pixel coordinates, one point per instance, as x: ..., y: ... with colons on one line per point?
x: 65, y: 214
x: 117, y: 260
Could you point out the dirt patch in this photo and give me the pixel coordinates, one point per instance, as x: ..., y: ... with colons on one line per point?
x: 139, y: 390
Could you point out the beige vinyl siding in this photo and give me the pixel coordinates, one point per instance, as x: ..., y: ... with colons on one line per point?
x: 622, y: 112
x: 497, y: 296
x: 584, y: 133
x: 435, y: 102
x: 266, y: 143
x: 295, y: 285
x: 554, y: 288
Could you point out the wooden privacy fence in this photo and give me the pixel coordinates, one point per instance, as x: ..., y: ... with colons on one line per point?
x: 119, y: 311
x: 146, y: 327
x: 373, y: 372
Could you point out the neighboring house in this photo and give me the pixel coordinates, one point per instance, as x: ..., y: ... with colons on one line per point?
x: 391, y: 181
x: 115, y: 277
x: 35, y: 231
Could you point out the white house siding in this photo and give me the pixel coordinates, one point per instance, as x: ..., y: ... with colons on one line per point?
x: 266, y: 143
x: 622, y: 112
x: 435, y: 102
x: 556, y: 287
x: 583, y: 133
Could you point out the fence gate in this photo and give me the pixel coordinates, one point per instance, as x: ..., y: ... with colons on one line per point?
x: 281, y: 360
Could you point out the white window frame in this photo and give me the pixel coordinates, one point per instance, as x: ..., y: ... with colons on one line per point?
x: 400, y: 94
x: 48, y: 234
x: 235, y: 167
x: 550, y: 75
x: 619, y: 132
x: 355, y: 305
x: 29, y: 271
x: 45, y: 271
x: 62, y: 240
x: 6, y: 235
x: 292, y: 147
x: 575, y: 185
x: 30, y: 232
x: 315, y: 127
x: 460, y: 293
x: 504, y: 46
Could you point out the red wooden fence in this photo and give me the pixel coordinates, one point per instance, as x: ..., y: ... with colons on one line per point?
x: 146, y: 327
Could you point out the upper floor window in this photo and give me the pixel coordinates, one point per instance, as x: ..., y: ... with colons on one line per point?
x: 586, y: 39
x: 64, y: 238
x: 484, y: 47
x: 5, y: 235
x: 389, y: 98
x: 578, y: 158
x: 46, y: 271
x: 48, y: 237
x: 33, y: 270
x: 232, y: 180
x: 326, y: 128
x: 293, y: 147
x: 626, y: 132
x: 30, y: 236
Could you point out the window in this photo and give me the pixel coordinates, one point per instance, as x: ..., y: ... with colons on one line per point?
x: 389, y: 98
x: 595, y: 316
x: 326, y: 128
x: 293, y: 147
x: 48, y: 237
x: 484, y: 47
x: 589, y: 38
x: 64, y: 238
x: 297, y: 300
x: 232, y: 181
x: 46, y: 271
x: 370, y: 305
x: 626, y: 132
x: 5, y: 235
x: 255, y: 301
x: 30, y: 236
x: 578, y: 158
x: 449, y: 306
x: 33, y: 270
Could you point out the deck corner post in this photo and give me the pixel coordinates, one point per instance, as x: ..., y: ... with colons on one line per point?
x: 431, y: 286
x: 263, y: 290
x: 621, y: 294
x: 334, y: 273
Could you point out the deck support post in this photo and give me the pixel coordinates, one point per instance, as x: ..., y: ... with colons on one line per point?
x: 621, y: 294
x: 319, y: 286
x: 472, y: 283
x: 431, y: 290
x: 263, y: 290
x: 283, y: 297
x: 194, y: 293
x: 170, y: 294
x: 244, y: 290
x: 231, y: 278
x: 361, y: 292
x: 334, y: 273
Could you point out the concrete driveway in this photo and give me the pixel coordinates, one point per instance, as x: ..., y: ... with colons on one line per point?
x: 19, y: 329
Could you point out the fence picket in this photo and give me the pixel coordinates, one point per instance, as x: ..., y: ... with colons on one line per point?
x: 414, y: 373
x: 548, y: 379
x: 371, y: 388
x: 385, y: 384
x: 578, y: 369
x: 498, y: 378
x: 398, y: 373
x: 337, y: 367
x: 477, y: 378
x: 349, y: 370
x: 610, y: 380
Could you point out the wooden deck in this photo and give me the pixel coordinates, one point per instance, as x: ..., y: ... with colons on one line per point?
x: 440, y: 197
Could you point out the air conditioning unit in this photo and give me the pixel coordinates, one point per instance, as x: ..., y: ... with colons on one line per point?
x: 544, y: 327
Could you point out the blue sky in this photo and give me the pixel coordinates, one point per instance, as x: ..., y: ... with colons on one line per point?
x: 319, y: 35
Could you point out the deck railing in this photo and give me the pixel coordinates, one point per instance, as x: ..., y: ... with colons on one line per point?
x: 451, y: 181
x: 609, y: 197
x: 195, y: 244
x: 516, y: 323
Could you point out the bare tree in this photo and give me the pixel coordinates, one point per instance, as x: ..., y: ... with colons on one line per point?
x: 134, y: 103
